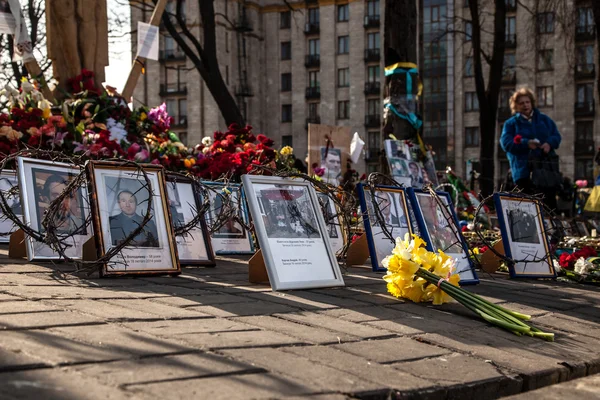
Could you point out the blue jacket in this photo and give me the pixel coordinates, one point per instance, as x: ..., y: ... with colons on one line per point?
x: 541, y: 127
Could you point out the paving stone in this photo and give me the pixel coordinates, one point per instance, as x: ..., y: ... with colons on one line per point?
x: 73, y: 292
x: 321, y: 377
x: 392, y: 350
x: 9, y: 297
x: 156, y: 309
x: 13, y: 307
x: 44, y: 319
x: 177, y: 327
x: 243, y: 339
x: 210, y: 298
x: 99, y: 309
x: 53, y: 348
x: 568, y: 324
x: 334, y: 324
x: 139, y: 372
x: 121, y: 340
x: 14, y: 358
x: 252, y: 307
x: 303, y: 332
x: 583, y: 388
x: 57, y: 384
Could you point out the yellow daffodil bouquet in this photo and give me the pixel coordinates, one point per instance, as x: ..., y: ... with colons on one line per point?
x: 420, y: 275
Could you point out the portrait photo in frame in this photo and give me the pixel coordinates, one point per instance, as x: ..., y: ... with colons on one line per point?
x: 8, y: 184
x: 333, y: 222
x: 393, y: 205
x: 440, y: 230
x: 524, y: 236
x: 194, y: 246
x: 232, y: 237
x: 292, y: 233
x: 120, y: 199
x: 40, y: 183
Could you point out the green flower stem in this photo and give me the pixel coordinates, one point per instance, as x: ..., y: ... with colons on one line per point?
x: 504, y: 324
x: 515, y: 314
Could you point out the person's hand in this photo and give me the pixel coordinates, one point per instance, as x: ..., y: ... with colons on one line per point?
x: 546, y: 147
x: 533, y: 145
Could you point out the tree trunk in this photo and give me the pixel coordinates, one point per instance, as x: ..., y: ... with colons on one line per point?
x: 488, y: 97
x: 400, y: 45
x: 596, y: 11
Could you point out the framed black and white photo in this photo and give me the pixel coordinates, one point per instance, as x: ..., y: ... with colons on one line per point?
x: 333, y: 222
x: 438, y: 225
x: 582, y: 228
x: 231, y: 237
x: 393, y: 206
x: 194, y: 246
x: 524, y: 236
x: 292, y: 233
x: 40, y: 183
x: 8, y: 184
x: 120, y: 199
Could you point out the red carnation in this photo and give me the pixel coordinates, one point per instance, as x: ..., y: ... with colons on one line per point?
x: 518, y: 139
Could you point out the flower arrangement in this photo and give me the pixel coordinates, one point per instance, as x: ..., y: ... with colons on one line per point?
x: 98, y: 124
x: 581, y: 266
x: 422, y: 276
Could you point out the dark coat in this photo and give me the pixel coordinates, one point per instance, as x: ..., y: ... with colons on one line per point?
x: 122, y: 226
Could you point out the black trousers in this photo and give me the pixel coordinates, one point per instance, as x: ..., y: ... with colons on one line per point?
x: 527, y: 187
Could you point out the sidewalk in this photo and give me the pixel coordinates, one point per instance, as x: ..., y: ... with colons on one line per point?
x: 210, y: 334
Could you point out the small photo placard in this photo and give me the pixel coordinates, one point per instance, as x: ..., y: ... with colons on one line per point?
x: 393, y: 205
x: 333, y: 221
x: 439, y: 227
x: 292, y: 233
x: 8, y: 181
x: 193, y: 246
x: 524, y: 236
x: 232, y: 237
x: 40, y: 183
x: 120, y: 198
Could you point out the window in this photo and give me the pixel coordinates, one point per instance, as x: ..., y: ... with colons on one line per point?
x: 373, y: 40
x: 585, y: 94
x: 313, y: 16
x: 286, y: 113
x: 545, y: 22
x: 373, y: 107
x: 286, y: 82
x: 314, y: 47
x: 343, y: 44
x: 511, y: 30
x: 472, y: 137
x: 343, y: 13
x: 468, y: 31
x: 373, y: 143
x: 171, y: 106
x: 471, y: 101
x: 585, y: 59
x: 313, y: 111
x: 373, y: 73
x: 509, y: 71
x: 285, y: 20
x: 343, y: 77
x: 286, y: 50
x: 584, y: 133
x: 372, y: 8
x: 545, y: 96
x: 505, y: 95
x: 343, y: 110
x: 510, y: 3
x: 313, y: 79
x: 287, y: 140
x: 585, y: 20
x: 584, y: 169
x: 469, y: 67
x: 545, y: 60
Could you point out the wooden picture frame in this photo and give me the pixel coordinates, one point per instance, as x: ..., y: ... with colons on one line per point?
x: 119, y: 191
x: 524, y: 235
x: 440, y: 234
x: 40, y: 182
x: 9, y: 180
x: 292, y: 233
x: 399, y: 224
x: 227, y: 242
x: 193, y: 247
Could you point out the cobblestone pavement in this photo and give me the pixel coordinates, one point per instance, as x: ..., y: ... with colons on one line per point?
x: 210, y: 334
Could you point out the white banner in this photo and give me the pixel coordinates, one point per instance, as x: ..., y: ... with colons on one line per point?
x: 147, y: 41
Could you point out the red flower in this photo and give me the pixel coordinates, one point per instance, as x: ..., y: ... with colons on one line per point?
x: 518, y: 139
x: 483, y: 249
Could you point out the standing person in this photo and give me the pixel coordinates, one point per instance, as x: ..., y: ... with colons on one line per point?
x: 529, y: 134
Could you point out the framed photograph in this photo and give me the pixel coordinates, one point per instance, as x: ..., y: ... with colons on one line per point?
x: 120, y: 196
x: 397, y: 149
x: 331, y: 162
x: 442, y: 233
x: 333, y: 222
x: 193, y: 247
x: 292, y: 233
x: 582, y: 228
x: 524, y: 235
x: 399, y: 170
x: 8, y: 181
x: 231, y: 238
x: 40, y: 183
x: 393, y: 205
x: 567, y: 228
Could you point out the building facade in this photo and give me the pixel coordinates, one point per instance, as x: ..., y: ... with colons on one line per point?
x: 320, y: 61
